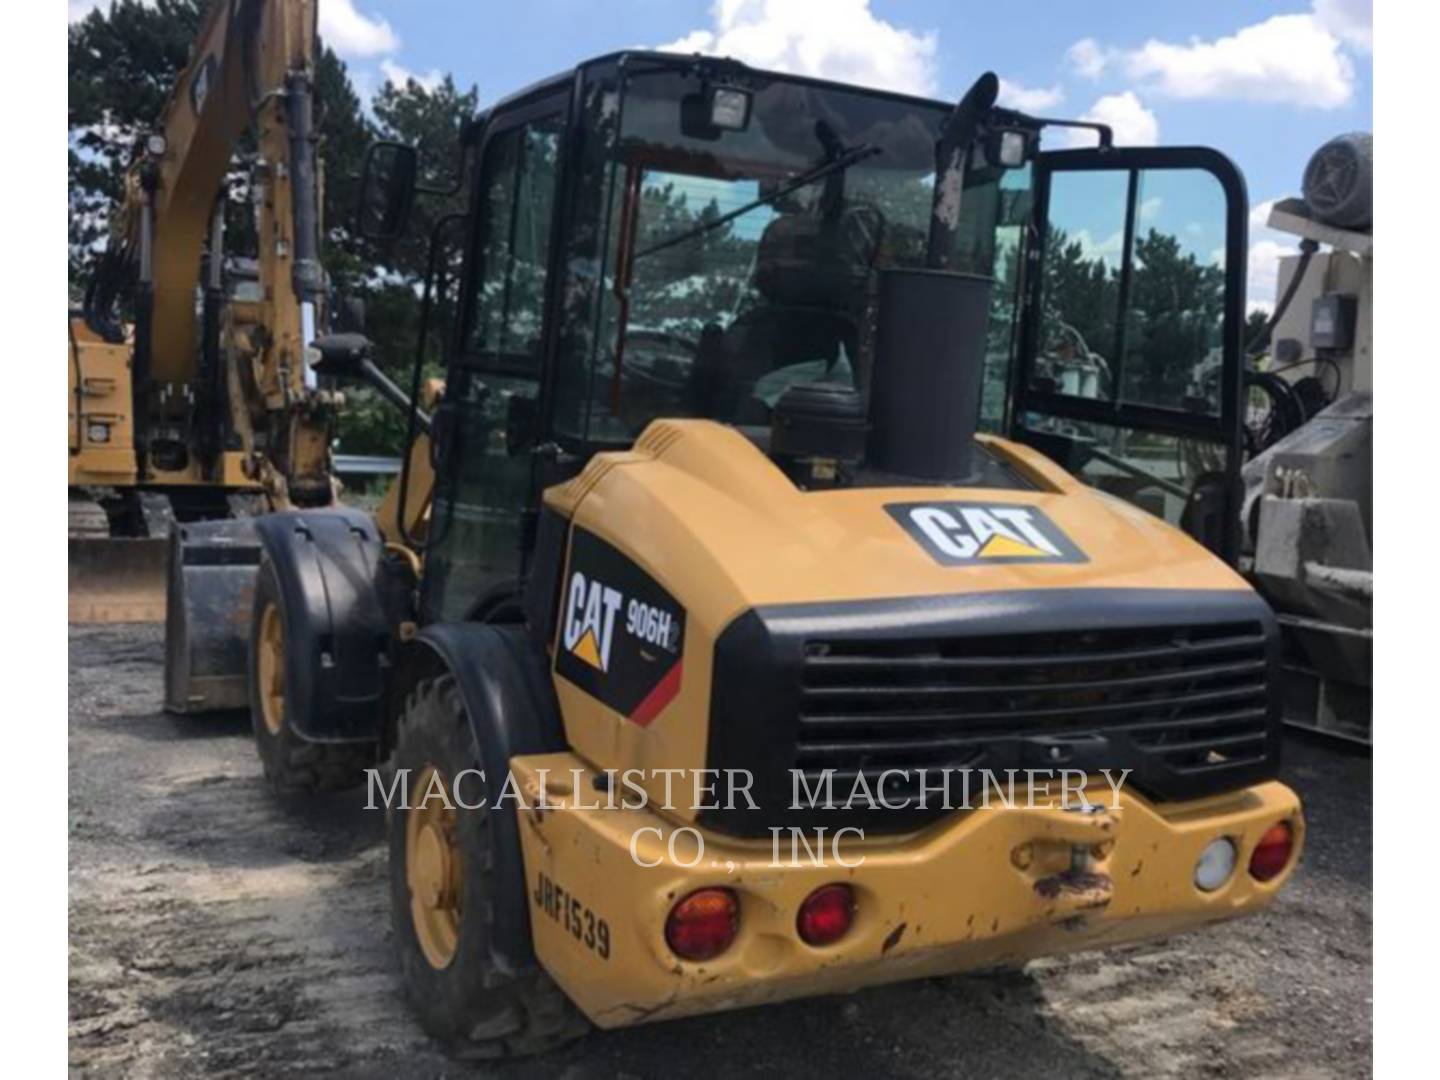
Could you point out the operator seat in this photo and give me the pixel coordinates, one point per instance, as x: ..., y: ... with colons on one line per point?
x: 810, y: 272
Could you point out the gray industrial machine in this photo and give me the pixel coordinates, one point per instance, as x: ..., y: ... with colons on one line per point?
x: 1308, y: 521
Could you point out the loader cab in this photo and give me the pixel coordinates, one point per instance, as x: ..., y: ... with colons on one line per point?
x: 644, y: 241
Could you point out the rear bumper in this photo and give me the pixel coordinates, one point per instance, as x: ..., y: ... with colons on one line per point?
x: 982, y: 888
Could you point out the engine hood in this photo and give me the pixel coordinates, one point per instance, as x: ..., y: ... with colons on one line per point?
x: 701, y: 510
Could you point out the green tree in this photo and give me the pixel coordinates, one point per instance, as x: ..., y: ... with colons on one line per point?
x: 1175, y: 312
x: 345, y: 132
x: 1080, y: 293
x: 122, y: 65
x: 1257, y: 332
x: 700, y: 280
x: 389, y: 278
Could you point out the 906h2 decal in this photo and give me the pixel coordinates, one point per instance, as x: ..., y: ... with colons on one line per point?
x: 622, y: 635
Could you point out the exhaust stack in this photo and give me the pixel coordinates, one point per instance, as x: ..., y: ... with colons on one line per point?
x: 928, y: 368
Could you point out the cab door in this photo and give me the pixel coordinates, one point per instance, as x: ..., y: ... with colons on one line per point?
x: 1129, y: 369
x: 483, y: 480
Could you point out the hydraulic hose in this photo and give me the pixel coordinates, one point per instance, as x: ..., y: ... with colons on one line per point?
x: 1308, y: 248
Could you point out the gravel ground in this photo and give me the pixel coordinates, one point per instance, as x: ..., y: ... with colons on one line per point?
x: 214, y: 930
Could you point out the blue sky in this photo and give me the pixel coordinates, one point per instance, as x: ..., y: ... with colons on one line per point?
x: 1265, y: 81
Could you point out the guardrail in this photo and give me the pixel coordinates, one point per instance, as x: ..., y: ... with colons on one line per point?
x: 366, y: 465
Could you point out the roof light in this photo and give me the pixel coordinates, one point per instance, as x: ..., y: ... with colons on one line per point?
x: 729, y: 108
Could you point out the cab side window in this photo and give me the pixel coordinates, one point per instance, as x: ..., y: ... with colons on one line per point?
x: 482, y: 488
x: 516, y: 204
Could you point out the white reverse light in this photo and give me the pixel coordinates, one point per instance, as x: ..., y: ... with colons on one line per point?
x: 1216, y: 864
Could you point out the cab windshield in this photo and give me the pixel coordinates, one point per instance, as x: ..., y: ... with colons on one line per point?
x: 716, y: 268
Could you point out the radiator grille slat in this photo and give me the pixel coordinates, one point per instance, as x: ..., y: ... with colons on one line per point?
x: 1196, y: 696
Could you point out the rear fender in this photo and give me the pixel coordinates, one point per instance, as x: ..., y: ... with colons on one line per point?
x: 504, y: 682
x: 330, y: 568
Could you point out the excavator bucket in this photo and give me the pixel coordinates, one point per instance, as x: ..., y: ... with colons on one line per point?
x: 213, y: 566
x: 117, y: 579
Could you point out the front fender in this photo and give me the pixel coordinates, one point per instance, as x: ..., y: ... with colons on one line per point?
x: 330, y: 565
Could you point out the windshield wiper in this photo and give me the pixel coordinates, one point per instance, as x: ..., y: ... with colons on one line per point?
x: 844, y: 161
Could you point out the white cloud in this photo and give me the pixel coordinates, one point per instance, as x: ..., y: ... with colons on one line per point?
x: 1262, y: 271
x: 1288, y: 59
x: 350, y: 32
x: 1029, y: 99
x: 838, y: 39
x: 398, y: 75
x: 345, y: 28
x: 1349, y: 20
x: 1087, y: 59
x: 1260, y: 214
x: 1130, y: 121
x: 1108, y: 249
x: 1266, y: 247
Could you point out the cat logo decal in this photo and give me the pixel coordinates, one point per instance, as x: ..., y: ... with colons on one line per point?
x: 973, y: 534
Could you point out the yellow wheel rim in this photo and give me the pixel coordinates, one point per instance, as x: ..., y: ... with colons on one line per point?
x: 272, y: 669
x: 432, y: 870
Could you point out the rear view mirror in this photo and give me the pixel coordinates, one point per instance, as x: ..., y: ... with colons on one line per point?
x: 387, y: 190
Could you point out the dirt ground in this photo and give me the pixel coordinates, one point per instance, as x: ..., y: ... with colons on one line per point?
x: 214, y: 930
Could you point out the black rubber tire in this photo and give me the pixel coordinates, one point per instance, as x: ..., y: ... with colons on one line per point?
x: 472, y: 1009
x: 293, y: 764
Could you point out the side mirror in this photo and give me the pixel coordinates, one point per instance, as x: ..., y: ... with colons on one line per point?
x: 343, y: 356
x: 387, y: 190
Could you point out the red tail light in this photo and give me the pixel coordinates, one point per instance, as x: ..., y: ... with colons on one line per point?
x: 1272, y: 854
x: 826, y: 915
x: 703, y: 924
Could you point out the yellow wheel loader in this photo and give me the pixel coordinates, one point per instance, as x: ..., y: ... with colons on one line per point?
x: 204, y: 406
x: 815, y: 571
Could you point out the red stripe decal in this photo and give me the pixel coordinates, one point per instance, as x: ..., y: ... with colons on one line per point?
x: 665, y: 690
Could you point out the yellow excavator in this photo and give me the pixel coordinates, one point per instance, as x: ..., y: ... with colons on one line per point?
x: 203, y: 402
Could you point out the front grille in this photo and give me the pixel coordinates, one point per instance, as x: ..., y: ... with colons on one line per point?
x: 1195, y: 697
x: 1170, y: 686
